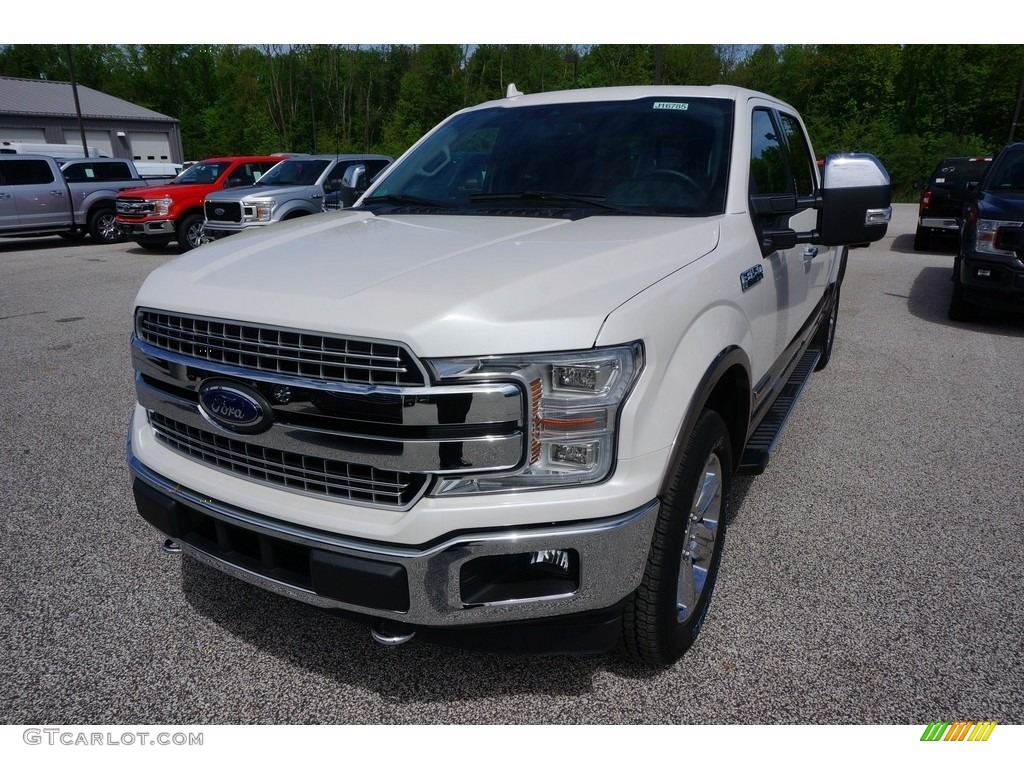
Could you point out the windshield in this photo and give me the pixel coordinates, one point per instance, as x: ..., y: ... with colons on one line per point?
x: 201, y: 173
x: 1010, y: 172
x: 960, y: 170
x: 662, y: 156
x: 298, y: 172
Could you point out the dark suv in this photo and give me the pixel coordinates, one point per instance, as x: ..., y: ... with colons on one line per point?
x: 942, y: 200
x: 988, y: 269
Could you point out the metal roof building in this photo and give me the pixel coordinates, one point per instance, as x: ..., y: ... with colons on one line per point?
x: 44, y: 111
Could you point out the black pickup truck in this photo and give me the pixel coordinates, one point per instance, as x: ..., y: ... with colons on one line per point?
x: 943, y: 195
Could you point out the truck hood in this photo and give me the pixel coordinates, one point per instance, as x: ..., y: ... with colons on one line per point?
x: 444, y: 285
x: 1005, y: 205
x: 164, y: 190
x: 262, y: 190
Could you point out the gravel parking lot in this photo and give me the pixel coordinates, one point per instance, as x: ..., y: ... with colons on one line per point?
x: 871, y: 575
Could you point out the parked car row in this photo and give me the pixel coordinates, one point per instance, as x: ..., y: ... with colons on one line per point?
x: 224, y: 195
x: 988, y: 270
x: 296, y: 186
x: 113, y: 199
x: 976, y: 205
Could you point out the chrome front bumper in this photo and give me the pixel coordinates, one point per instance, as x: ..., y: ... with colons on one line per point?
x: 610, y: 556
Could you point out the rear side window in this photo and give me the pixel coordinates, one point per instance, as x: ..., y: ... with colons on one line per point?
x: 20, y: 172
x: 98, y: 172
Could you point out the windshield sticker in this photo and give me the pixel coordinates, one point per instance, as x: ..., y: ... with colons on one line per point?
x: 671, y: 105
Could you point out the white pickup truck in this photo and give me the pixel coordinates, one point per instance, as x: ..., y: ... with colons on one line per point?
x: 503, y: 397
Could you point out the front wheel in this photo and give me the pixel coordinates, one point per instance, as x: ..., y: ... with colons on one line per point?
x: 103, y: 228
x: 664, y: 616
x: 190, y: 232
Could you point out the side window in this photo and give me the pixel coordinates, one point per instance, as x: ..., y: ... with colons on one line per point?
x: 114, y: 172
x: 373, y: 167
x: 242, y: 176
x: 799, y: 154
x: 337, y: 172
x: 78, y: 172
x: 29, y: 172
x: 768, y: 172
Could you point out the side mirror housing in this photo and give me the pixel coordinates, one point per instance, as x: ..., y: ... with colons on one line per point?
x: 855, y: 201
x: 353, y: 184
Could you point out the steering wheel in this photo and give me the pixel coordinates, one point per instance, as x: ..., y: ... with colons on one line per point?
x: 667, y: 174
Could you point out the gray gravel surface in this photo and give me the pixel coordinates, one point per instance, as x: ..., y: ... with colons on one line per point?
x: 871, y: 575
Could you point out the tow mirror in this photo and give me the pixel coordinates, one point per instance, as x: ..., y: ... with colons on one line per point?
x: 353, y: 184
x: 855, y: 201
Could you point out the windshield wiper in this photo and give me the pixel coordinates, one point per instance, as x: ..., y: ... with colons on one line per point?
x: 403, y: 200
x: 597, y: 201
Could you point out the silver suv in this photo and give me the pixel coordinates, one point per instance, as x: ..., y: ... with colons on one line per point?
x: 297, y: 186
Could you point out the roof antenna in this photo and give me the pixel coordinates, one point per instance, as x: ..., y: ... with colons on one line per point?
x: 512, y: 91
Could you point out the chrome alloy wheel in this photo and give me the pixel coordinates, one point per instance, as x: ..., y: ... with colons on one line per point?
x: 699, y: 544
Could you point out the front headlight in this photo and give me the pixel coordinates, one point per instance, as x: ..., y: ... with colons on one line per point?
x: 574, y: 400
x: 264, y: 209
x: 985, y: 236
x: 162, y: 206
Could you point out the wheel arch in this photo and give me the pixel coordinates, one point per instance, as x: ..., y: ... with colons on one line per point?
x: 724, y: 388
x: 295, y: 213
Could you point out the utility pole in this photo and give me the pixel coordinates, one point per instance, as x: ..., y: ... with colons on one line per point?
x: 78, y: 107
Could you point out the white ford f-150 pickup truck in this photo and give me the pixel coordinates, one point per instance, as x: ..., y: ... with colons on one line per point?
x: 505, y: 394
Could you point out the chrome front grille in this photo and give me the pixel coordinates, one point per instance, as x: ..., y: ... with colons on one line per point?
x: 337, y: 480
x: 280, y: 350
x: 134, y: 207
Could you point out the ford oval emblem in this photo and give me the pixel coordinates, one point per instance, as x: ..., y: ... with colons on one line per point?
x: 234, y: 406
x: 219, y: 211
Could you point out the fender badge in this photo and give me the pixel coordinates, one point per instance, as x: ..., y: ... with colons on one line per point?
x: 752, y: 276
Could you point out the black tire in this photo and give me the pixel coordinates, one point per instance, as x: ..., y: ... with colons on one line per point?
x: 922, y: 240
x: 103, y: 228
x: 825, y: 336
x: 153, y: 245
x: 959, y: 309
x: 190, y: 232
x: 664, y: 616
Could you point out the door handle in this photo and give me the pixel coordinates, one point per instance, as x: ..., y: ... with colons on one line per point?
x: 56, y: 193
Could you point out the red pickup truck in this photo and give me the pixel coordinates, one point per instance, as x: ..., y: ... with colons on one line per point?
x: 154, y: 216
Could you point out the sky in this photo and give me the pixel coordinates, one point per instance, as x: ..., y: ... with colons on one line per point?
x: 520, y: 21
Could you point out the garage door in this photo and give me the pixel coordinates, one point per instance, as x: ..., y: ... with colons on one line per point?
x: 98, y: 139
x: 22, y: 134
x: 150, y: 146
